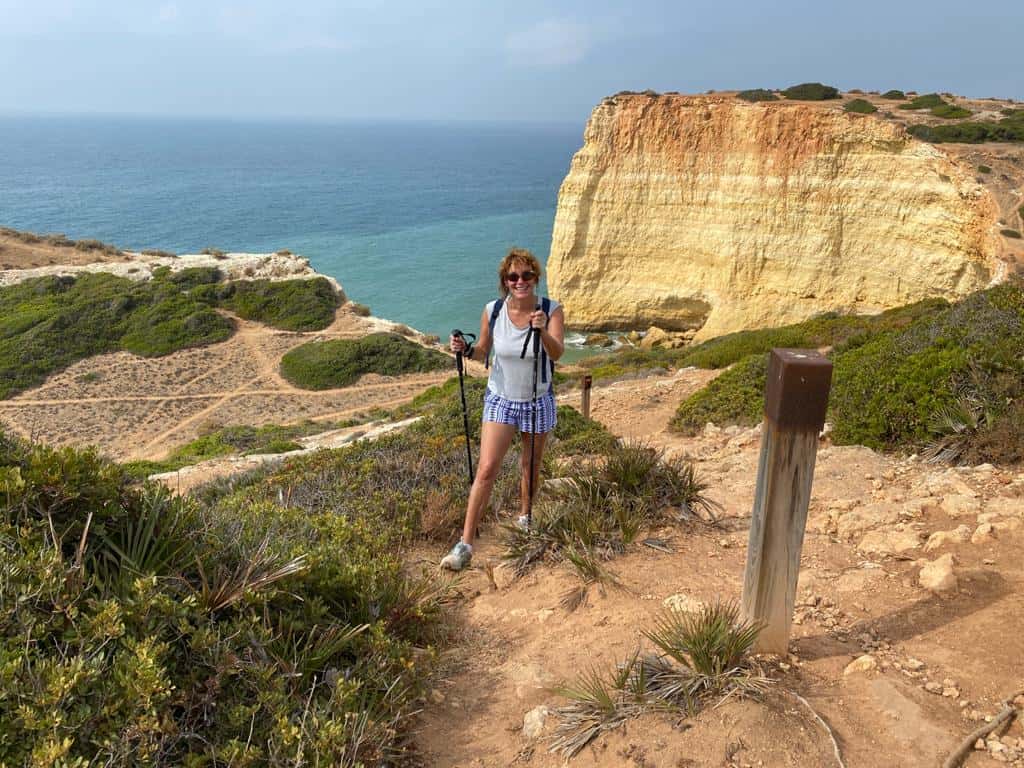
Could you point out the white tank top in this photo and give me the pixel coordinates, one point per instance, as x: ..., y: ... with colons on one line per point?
x: 512, y: 377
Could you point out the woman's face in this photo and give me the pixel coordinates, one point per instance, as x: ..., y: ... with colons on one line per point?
x: 520, y: 279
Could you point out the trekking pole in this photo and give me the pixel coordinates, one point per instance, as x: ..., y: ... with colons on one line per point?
x: 533, y: 433
x: 462, y: 391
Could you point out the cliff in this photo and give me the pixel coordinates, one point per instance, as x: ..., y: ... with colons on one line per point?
x: 708, y: 212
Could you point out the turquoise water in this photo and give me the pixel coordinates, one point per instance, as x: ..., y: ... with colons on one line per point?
x: 411, y: 218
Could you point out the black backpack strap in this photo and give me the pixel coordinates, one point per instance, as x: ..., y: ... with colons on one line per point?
x: 490, y: 324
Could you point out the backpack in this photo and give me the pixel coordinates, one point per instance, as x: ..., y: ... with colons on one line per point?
x: 545, y: 363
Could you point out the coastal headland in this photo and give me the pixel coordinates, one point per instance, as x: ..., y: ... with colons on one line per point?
x: 293, y: 613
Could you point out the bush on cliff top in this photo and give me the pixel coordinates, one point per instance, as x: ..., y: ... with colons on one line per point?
x: 48, y: 323
x: 757, y: 94
x: 927, y: 101
x: 950, y: 111
x: 895, y: 95
x: 811, y: 92
x: 860, y: 106
x: 143, y: 629
x: 896, y: 383
x: 340, y: 362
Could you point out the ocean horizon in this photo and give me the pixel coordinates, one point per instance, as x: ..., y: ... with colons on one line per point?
x: 410, y: 217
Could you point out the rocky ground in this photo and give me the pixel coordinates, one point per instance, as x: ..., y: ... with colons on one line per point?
x: 906, y: 634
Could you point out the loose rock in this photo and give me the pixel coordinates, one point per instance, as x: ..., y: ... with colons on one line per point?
x: 938, y: 576
x: 865, y: 663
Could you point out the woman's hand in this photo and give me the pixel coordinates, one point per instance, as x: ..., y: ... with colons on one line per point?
x: 457, y: 344
x: 538, y: 319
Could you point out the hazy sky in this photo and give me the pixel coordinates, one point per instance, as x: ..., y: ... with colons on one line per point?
x: 481, y: 60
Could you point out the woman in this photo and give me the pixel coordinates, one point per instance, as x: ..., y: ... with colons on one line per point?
x: 509, y: 401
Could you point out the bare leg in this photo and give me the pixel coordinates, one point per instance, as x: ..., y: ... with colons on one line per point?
x: 494, y: 442
x: 524, y: 468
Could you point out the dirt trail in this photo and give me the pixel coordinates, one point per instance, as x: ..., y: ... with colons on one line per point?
x: 870, y: 516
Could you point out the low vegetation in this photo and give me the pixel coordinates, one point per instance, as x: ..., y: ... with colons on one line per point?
x: 340, y: 362
x: 49, y: 323
x: 984, y: 169
x: 894, y: 95
x: 811, y: 92
x: 595, y: 510
x: 927, y: 101
x: 234, y: 441
x: 902, y: 379
x: 950, y: 112
x: 60, y: 241
x: 860, y: 106
x: 701, y: 658
x: 1009, y: 128
x: 139, y: 628
x: 1011, y: 233
x: 757, y: 94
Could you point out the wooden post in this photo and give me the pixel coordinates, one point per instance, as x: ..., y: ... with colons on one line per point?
x: 796, y: 398
x: 588, y: 381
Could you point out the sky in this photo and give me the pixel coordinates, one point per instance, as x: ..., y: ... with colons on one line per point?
x: 489, y: 61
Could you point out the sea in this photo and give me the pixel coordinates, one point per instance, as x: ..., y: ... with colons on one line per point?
x: 410, y: 217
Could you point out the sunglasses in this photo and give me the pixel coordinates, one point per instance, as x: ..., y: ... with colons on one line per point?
x: 513, y: 277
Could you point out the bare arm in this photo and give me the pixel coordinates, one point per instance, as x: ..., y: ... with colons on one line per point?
x: 482, y: 346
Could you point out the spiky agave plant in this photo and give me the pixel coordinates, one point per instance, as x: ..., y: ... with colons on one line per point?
x: 597, y: 704
x: 955, y: 424
x: 709, y: 648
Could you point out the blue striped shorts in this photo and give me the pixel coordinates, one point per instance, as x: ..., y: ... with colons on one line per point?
x: 520, y: 413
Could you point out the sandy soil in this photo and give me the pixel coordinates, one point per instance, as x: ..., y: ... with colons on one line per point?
x: 15, y: 253
x: 142, y: 408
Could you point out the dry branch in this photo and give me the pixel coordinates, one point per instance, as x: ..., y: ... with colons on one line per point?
x: 1007, y: 713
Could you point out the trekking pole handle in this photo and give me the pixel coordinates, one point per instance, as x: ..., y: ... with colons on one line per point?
x: 456, y: 333
x: 536, y: 337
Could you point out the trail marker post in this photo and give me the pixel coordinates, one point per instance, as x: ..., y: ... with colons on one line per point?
x: 588, y: 382
x: 795, y: 401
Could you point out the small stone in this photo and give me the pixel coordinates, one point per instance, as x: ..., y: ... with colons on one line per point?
x: 979, y: 744
x: 948, y: 683
x: 958, y: 505
x: 932, y: 687
x: 436, y: 696
x: 950, y: 693
x: 983, y: 533
x: 533, y: 722
x: 938, y: 575
x: 941, y: 538
x: 914, y: 664
x: 865, y: 663
x: 682, y: 603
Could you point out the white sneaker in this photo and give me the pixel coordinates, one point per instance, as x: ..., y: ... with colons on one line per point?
x: 458, y: 558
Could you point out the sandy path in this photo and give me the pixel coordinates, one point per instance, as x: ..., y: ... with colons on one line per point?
x: 517, y: 643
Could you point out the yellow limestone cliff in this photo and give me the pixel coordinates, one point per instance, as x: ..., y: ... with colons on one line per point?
x: 708, y: 212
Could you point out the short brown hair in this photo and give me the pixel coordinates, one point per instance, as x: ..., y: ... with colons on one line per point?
x: 514, y: 255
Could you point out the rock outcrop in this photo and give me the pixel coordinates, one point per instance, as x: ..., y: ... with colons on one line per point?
x: 708, y: 212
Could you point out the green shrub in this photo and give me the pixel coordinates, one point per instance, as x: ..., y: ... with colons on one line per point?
x: 291, y: 305
x: 757, y: 94
x: 1010, y: 128
x: 577, y: 435
x: 340, y: 362
x: 1013, y: 233
x: 811, y: 92
x: 928, y: 101
x: 735, y: 397
x: 984, y: 169
x: 215, y: 252
x: 896, y: 376
x: 1020, y: 212
x: 950, y: 111
x: 159, y: 253
x: 860, y: 106
x: 894, y: 95
x: 138, y: 628
x: 360, y: 309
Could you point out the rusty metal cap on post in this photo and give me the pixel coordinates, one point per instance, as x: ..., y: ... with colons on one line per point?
x: 796, y: 395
